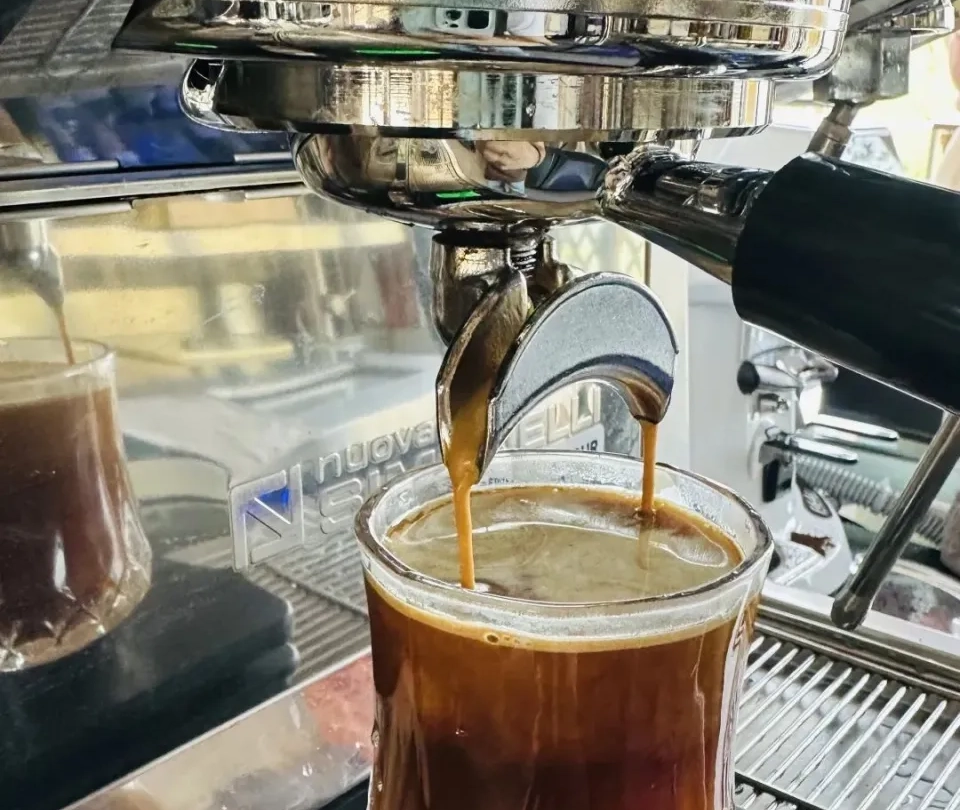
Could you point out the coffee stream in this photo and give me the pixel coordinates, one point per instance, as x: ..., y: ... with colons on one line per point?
x: 64, y: 335
x: 648, y: 432
x: 466, y: 433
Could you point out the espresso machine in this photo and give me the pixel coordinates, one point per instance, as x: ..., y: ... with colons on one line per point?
x: 286, y: 345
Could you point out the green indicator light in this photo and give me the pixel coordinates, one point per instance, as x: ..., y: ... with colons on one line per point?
x: 457, y: 195
x: 196, y: 46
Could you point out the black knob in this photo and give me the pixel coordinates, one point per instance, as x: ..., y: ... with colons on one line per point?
x: 752, y: 377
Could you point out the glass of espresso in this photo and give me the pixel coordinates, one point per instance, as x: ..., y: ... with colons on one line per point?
x: 74, y: 560
x: 598, y: 662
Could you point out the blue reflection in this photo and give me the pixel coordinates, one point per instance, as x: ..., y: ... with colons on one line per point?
x: 278, y: 500
x: 139, y: 127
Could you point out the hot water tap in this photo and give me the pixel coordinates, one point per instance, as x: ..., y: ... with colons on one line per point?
x: 494, y: 125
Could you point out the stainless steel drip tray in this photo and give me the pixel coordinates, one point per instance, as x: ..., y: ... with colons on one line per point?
x: 834, y: 720
x: 830, y: 720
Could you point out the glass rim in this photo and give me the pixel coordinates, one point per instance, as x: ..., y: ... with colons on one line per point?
x: 100, y: 353
x: 365, y: 534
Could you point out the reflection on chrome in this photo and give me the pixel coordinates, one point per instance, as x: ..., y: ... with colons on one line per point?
x: 650, y: 37
x: 432, y: 181
x: 473, y: 102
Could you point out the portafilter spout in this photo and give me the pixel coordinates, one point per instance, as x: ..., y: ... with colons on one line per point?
x: 605, y: 327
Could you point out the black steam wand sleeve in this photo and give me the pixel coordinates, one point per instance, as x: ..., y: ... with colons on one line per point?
x: 861, y: 267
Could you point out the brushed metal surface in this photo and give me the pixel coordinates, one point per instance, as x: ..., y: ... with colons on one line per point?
x: 473, y: 101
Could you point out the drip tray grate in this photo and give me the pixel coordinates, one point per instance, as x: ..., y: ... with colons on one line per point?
x: 324, y: 632
x: 832, y: 735
x: 748, y: 796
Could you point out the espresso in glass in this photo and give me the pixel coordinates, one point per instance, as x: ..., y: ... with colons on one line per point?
x: 73, y: 558
x: 596, y: 665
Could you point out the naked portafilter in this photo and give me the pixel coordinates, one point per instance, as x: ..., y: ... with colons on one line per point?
x: 493, y: 123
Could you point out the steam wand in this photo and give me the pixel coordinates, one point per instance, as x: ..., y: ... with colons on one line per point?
x: 853, y: 602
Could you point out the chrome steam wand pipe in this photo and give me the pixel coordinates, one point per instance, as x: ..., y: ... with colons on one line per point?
x: 854, y: 600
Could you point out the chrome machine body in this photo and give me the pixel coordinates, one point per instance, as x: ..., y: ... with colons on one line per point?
x: 281, y: 356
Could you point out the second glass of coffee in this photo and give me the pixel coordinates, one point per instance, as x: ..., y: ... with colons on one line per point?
x: 598, y: 663
x: 74, y: 561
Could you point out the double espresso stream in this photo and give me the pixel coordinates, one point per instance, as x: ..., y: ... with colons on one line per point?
x: 476, y: 714
x: 467, y: 433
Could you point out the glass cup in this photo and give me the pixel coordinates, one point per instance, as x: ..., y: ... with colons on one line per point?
x: 74, y: 560
x: 486, y: 702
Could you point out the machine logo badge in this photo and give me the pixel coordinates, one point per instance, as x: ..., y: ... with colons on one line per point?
x: 266, y: 517
x: 269, y: 515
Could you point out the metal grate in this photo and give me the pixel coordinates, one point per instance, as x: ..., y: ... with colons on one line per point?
x: 330, y: 570
x: 324, y: 632
x: 747, y: 796
x: 829, y: 734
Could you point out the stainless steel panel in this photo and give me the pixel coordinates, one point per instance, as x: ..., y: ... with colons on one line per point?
x: 296, y: 752
x: 259, y: 332
x: 256, y: 334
